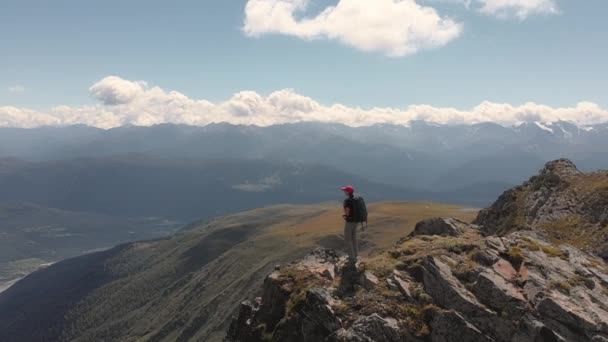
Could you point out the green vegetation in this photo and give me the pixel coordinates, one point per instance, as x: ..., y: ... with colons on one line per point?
x: 465, y: 270
x: 424, y: 246
x: 562, y: 286
x: 382, y: 265
x: 578, y: 280
x: 553, y: 252
x: 530, y: 244
x: 515, y: 256
x: 515, y: 219
x: 570, y: 229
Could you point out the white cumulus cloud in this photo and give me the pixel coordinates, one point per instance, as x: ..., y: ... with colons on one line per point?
x: 114, y: 90
x: 518, y: 8
x: 133, y: 102
x: 392, y: 27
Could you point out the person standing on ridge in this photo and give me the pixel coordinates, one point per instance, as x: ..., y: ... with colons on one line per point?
x: 355, y: 212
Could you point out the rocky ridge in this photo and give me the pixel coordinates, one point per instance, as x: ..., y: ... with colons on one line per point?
x: 561, y: 203
x: 502, y: 279
x: 435, y: 288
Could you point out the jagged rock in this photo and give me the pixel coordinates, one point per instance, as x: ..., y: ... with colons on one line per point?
x: 450, y: 326
x: 495, y: 243
x: 485, y: 257
x: 370, y: 281
x: 373, y: 328
x: 403, y: 287
x: 237, y: 332
x: 560, y: 168
x: 274, y: 298
x: 569, y: 320
x: 390, y: 283
x: 323, y: 262
x: 527, y: 291
x: 560, y: 202
x: 500, y: 295
x: 313, y: 319
x: 531, y: 329
x: 447, y: 291
x: 440, y: 226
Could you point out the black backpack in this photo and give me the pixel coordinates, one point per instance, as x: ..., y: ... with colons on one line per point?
x: 359, y: 209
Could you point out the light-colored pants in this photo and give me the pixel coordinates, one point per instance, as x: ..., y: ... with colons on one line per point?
x: 350, y: 236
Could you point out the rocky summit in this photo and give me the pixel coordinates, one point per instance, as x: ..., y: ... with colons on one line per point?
x: 508, y: 277
x: 562, y: 203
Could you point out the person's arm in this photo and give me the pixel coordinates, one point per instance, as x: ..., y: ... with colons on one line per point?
x: 346, y: 211
x: 346, y: 207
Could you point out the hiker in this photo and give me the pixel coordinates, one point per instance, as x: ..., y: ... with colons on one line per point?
x: 355, y: 213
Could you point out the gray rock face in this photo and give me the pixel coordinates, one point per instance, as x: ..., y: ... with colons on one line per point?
x: 314, y: 319
x: 525, y: 290
x: 371, y: 328
x: 450, y: 326
x: 440, y: 226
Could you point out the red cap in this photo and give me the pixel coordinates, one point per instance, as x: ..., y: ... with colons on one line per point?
x: 348, y: 189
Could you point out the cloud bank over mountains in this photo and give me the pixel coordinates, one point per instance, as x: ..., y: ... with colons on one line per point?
x: 125, y: 102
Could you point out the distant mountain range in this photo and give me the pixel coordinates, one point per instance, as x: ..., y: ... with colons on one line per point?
x: 88, y: 186
x: 142, y: 186
x: 424, y: 156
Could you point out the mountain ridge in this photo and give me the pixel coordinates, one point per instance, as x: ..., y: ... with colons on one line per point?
x: 406, y: 150
x: 188, y: 286
x: 422, y: 288
x: 450, y: 281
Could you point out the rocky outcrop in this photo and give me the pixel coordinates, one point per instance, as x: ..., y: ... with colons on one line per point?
x: 440, y: 226
x: 561, y: 203
x: 518, y: 287
x: 527, y: 271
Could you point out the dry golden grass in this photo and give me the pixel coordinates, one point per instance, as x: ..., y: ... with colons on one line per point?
x: 590, y: 182
x: 515, y: 255
x: 530, y: 244
x: 388, y: 222
x: 562, y: 286
x: 570, y: 230
x: 553, y: 252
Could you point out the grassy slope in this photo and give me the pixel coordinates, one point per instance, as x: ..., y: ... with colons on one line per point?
x: 187, y: 287
x: 583, y: 232
x: 580, y: 229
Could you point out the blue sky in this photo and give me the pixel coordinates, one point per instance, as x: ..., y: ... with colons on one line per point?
x: 52, y: 52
